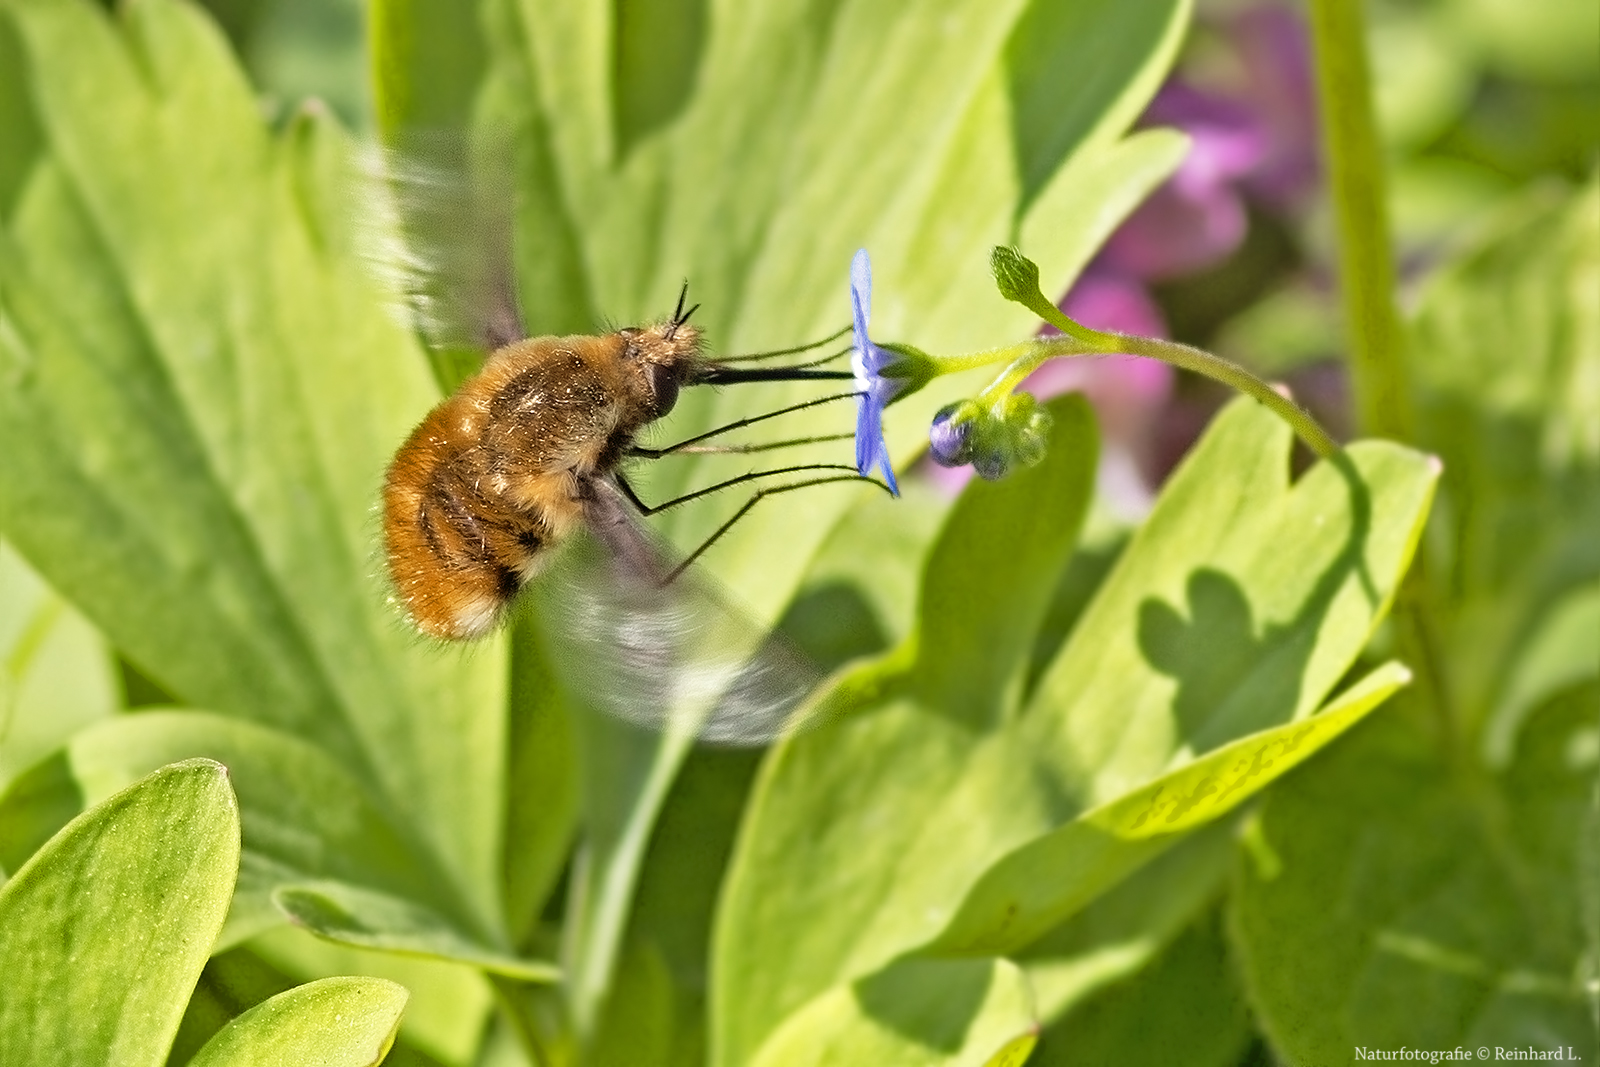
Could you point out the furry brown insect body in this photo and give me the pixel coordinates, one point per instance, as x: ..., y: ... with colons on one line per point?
x: 501, y: 471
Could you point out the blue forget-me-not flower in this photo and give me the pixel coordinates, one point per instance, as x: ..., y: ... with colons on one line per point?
x: 868, y: 362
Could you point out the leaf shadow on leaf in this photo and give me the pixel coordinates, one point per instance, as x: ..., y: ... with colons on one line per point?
x: 834, y: 623
x: 658, y: 47
x: 1230, y: 680
x: 930, y: 1002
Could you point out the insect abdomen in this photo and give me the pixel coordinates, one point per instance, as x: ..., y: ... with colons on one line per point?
x: 487, y: 484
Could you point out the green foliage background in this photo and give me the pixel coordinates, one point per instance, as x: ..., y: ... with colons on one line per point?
x: 1035, y: 819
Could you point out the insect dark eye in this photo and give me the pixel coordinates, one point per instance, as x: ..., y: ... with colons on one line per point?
x: 663, y: 388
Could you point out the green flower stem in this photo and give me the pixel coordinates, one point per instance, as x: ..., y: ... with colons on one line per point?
x: 1025, y: 358
x: 1378, y: 373
x: 1356, y: 183
x: 1018, y: 279
x: 1228, y: 373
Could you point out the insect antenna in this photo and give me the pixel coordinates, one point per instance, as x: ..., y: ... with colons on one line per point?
x: 680, y: 316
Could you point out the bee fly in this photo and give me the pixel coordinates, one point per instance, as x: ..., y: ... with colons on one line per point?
x: 528, y: 450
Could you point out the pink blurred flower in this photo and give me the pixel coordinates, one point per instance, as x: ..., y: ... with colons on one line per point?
x: 1274, y: 50
x: 1197, y: 217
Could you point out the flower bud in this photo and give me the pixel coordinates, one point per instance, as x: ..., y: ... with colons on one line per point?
x: 950, y: 436
x: 1016, y: 275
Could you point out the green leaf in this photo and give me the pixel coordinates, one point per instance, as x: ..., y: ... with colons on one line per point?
x: 898, y: 746
x: 1117, y: 936
x: 929, y: 748
x: 201, y: 391
x: 450, y: 1003
x: 1435, y: 907
x: 1561, y: 653
x: 362, y: 918
x: 21, y: 141
x: 1042, y: 883
x: 104, y: 931
x: 627, y: 772
x: 1437, y: 900
x: 1507, y: 351
x: 334, y: 1022
x: 542, y: 778
x: 969, y: 1012
x: 56, y: 673
x: 1185, y: 1007
x: 305, y: 817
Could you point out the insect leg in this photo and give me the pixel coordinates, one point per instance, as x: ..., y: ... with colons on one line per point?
x: 756, y: 498
x: 657, y: 453
x: 765, y: 446
x: 648, y: 509
x: 753, y: 356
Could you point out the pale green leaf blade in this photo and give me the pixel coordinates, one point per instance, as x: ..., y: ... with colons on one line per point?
x: 1378, y: 883
x: 1506, y: 347
x: 198, y: 363
x: 1119, y: 935
x: 104, y: 931
x: 1564, y: 651
x: 450, y: 1002
x: 920, y: 1013
x: 1041, y: 884
x: 334, y: 1022
x: 1208, y: 628
x: 910, y: 750
x: 56, y: 673
x: 1186, y: 1006
x: 305, y: 817
x: 813, y: 899
x: 542, y: 779
x: 363, y: 918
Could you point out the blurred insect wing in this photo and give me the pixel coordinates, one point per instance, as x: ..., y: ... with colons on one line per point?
x: 443, y: 243
x: 669, y: 655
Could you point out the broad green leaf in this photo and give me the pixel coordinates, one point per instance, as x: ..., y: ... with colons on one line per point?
x: 201, y: 390
x: 968, y: 1012
x: 56, y: 674
x: 860, y: 591
x: 104, y: 931
x: 1506, y: 348
x: 935, y: 756
x: 1208, y: 628
x: 1121, y: 933
x: 542, y: 783
x: 335, y: 1022
x: 678, y: 891
x: 21, y: 141
x: 1561, y: 653
x: 1397, y: 900
x: 1185, y: 1006
x: 450, y: 1003
x: 639, y: 1019
x: 364, y: 918
x: 627, y: 772
x: 305, y: 817
x: 1042, y: 883
x: 1439, y: 901
x: 895, y: 745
